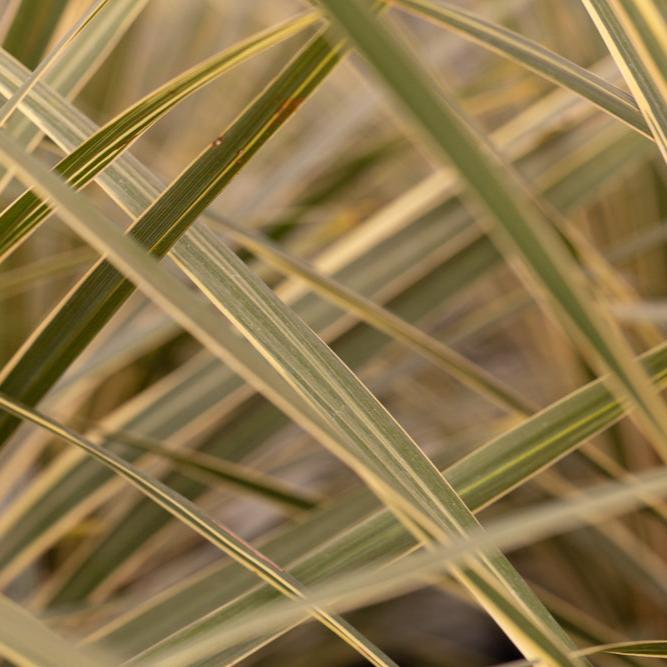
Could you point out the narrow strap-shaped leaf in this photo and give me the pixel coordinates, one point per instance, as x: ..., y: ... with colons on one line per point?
x: 214, y: 263
x: 345, y: 415
x: 416, y: 487
x: 23, y: 215
x: 225, y: 472
x: 28, y: 642
x: 74, y: 68
x: 485, y: 475
x: 155, y: 518
x: 187, y: 512
x: 436, y: 352
x: 371, y: 584
x: 136, y: 207
x: 45, y: 63
x: 635, y: 32
x: 521, y: 228
x: 118, y: 180
x: 534, y: 56
x: 53, y: 346
x: 656, y: 648
x: 22, y: 278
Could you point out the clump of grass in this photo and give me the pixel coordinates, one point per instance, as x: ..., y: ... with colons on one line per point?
x: 364, y: 315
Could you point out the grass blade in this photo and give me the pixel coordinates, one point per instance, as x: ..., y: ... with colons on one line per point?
x: 223, y: 472
x: 212, y: 531
x: 641, y: 649
x: 521, y: 227
x: 533, y: 56
x: 403, y: 473
x: 371, y: 585
x: 484, y: 259
x: 52, y: 348
x: 28, y: 642
x: 487, y: 474
x: 80, y: 166
x: 448, y: 281
x: 12, y: 103
x: 635, y: 34
x: 212, y: 360
x: 431, y: 349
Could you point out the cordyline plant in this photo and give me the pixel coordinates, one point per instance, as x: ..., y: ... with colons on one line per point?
x: 353, y: 353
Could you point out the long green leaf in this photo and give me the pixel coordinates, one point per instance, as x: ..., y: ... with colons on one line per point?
x: 191, y: 515
x: 136, y: 526
x: 45, y: 356
x: 468, y: 372
x: 48, y: 61
x: 635, y: 32
x: 120, y: 190
x: 346, y: 416
x: 521, y: 227
x: 25, y: 213
x: 28, y: 642
x: 106, y: 542
x: 488, y: 473
x: 534, y: 56
x: 222, y: 472
x: 371, y: 584
x: 52, y: 509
